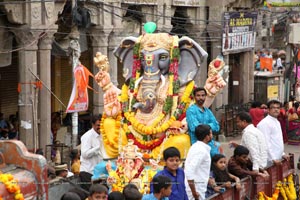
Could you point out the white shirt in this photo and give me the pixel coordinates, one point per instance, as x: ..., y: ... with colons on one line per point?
x: 254, y: 140
x: 92, y: 151
x: 271, y: 129
x: 197, y: 168
x: 278, y: 63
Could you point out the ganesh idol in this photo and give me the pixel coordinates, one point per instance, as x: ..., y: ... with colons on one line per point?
x: 159, y: 71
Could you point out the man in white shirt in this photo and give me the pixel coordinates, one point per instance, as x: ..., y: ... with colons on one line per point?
x: 197, y: 164
x: 271, y: 129
x: 254, y: 140
x: 92, y: 152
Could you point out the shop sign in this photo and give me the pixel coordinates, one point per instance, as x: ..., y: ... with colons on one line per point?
x: 141, y: 2
x: 238, y: 31
x: 191, y: 3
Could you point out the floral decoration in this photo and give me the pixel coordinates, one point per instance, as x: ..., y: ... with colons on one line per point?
x: 11, y: 186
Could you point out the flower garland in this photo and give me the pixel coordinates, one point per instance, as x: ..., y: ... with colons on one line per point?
x: 146, y: 130
x: 151, y: 130
x: 117, y: 130
x: 118, y: 179
x: 173, y: 75
x: 154, y: 129
x: 129, y: 94
x: 286, y: 190
x: 11, y: 186
x: 149, y: 145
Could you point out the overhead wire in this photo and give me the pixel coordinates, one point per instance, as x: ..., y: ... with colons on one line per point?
x: 219, y: 27
x: 33, y: 30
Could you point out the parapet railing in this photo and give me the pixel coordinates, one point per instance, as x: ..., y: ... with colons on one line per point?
x: 251, y: 187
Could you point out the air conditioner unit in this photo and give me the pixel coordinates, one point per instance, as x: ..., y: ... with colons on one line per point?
x: 294, y: 35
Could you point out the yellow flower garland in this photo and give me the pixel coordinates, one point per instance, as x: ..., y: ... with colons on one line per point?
x: 147, y: 130
x: 151, y: 130
x: 286, y: 190
x: 139, y: 127
x: 117, y: 130
x: 124, y: 94
x: 11, y: 186
x: 120, y: 180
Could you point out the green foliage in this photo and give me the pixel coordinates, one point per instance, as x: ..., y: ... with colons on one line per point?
x: 168, y: 105
x: 176, y: 86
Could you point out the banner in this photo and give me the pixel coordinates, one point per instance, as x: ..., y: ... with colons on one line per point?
x: 238, y: 31
x: 266, y: 63
x: 79, y: 97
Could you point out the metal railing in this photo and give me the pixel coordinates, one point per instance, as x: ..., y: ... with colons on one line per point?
x: 228, y: 121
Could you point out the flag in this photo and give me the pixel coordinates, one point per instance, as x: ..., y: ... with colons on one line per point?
x: 266, y: 63
x: 79, y: 97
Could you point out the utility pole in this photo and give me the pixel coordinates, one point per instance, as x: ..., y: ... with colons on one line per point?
x: 74, y: 52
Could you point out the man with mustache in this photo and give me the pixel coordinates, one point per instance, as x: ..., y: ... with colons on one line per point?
x: 197, y: 114
x: 271, y: 129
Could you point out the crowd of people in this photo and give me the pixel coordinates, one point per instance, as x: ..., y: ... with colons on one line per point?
x: 277, y: 59
x: 206, y: 169
x: 288, y: 117
x: 9, y: 129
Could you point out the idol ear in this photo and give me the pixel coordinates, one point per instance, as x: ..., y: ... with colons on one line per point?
x: 192, y: 55
x: 125, y: 53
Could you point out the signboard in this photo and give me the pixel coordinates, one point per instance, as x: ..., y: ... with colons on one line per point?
x: 238, y: 31
x: 141, y: 2
x: 192, y: 3
x: 273, y: 91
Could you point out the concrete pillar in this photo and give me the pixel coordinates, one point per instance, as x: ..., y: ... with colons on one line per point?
x: 44, y: 109
x: 27, y: 96
x: 247, y: 77
x: 99, y: 44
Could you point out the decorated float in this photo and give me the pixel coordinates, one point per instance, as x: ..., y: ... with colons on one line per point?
x: 149, y: 110
x: 139, y: 121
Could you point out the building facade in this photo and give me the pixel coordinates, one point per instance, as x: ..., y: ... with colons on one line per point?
x: 37, y: 37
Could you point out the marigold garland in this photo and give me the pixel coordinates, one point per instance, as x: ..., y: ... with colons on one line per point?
x: 117, y: 130
x: 11, y: 186
x: 128, y: 99
x: 286, y: 190
x: 146, y: 144
x: 120, y: 180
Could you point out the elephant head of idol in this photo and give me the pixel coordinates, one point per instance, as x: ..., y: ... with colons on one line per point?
x: 156, y: 65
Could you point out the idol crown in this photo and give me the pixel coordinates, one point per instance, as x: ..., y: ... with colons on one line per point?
x: 152, y: 42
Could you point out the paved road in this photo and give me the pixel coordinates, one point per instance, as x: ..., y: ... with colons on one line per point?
x: 295, y: 149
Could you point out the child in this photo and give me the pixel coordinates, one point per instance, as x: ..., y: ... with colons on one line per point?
x: 240, y: 165
x: 220, y: 179
x: 174, y: 172
x: 70, y: 196
x: 98, y: 192
x: 162, y: 188
x: 75, y: 161
x: 131, y: 192
x: 116, y: 195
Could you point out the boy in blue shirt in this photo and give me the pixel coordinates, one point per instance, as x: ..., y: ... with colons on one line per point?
x: 175, y: 173
x: 161, y: 188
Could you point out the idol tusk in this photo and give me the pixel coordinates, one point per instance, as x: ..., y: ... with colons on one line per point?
x: 137, y: 82
x: 163, y: 81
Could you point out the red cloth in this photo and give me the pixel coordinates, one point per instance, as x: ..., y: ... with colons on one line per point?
x: 293, y: 124
x: 257, y: 114
x: 282, y: 118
